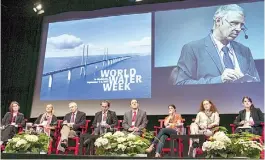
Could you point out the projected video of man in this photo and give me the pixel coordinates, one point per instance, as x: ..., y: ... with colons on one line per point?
x: 217, y: 58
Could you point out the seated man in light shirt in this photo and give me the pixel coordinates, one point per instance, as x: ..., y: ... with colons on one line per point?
x: 71, y: 125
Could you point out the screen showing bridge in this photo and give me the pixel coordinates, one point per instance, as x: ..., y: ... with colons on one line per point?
x: 98, y: 59
x: 160, y: 54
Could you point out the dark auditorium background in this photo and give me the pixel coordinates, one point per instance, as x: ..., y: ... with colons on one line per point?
x: 21, y: 31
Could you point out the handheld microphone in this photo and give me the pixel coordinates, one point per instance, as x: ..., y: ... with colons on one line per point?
x: 246, y: 36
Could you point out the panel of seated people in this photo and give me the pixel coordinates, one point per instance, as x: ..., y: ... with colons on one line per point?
x: 74, y: 125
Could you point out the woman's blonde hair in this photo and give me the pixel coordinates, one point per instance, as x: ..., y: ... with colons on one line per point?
x: 52, y: 107
x: 11, y: 105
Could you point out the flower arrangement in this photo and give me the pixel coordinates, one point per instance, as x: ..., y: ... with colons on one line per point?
x: 245, y: 145
x: 28, y: 143
x: 217, y: 145
x: 121, y: 143
x: 232, y: 145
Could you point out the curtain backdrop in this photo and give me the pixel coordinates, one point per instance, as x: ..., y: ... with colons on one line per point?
x: 20, y: 51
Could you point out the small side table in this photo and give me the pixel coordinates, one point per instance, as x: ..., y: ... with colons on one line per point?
x: 185, y: 140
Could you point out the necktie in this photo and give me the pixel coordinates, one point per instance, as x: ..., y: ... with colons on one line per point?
x: 104, y: 116
x: 226, y: 59
x: 72, y: 118
x: 134, y: 116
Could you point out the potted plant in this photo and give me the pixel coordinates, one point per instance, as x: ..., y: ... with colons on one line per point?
x: 216, y: 145
x: 245, y: 145
x: 232, y: 146
x: 121, y: 143
x: 28, y: 143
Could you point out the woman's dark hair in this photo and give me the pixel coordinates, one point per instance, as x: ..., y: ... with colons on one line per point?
x: 172, y: 105
x: 11, y: 109
x: 249, y: 99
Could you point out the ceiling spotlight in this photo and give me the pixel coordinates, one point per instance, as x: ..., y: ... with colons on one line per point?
x: 38, y: 8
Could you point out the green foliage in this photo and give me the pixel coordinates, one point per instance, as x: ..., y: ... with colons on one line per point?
x: 148, y: 134
x: 24, y: 142
x: 244, y: 144
x: 219, y: 128
x: 240, y: 145
x: 243, y: 135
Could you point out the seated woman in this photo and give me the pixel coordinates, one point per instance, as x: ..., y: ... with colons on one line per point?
x: 11, y: 121
x: 250, y: 118
x: 173, y: 124
x: 47, y: 120
x: 205, y: 121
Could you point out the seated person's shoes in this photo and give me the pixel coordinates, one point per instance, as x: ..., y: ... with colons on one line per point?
x: 157, y: 155
x: 149, y: 150
x: 4, y: 143
x: 192, y: 152
x: 64, y: 144
x: 195, y: 144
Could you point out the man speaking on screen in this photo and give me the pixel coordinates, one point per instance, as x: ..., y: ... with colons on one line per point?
x: 218, y: 58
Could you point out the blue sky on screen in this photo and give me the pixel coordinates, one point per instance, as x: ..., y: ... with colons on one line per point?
x: 120, y: 34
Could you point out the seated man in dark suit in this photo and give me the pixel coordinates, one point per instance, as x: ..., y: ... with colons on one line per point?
x: 134, y: 120
x: 217, y: 58
x: 71, y: 125
x: 105, y: 120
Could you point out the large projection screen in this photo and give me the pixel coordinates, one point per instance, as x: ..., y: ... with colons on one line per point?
x: 160, y: 54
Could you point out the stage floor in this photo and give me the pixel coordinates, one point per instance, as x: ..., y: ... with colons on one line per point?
x: 61, y: 156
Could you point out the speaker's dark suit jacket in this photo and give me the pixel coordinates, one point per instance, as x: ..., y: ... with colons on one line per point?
x: 11, y: 130
x: 111, y: 120
x: 18, y: 120
x: 80, y: 120
x: 257, y: 116
x: 88, y: 139
x: 199, y: 63
x: 141, y: 120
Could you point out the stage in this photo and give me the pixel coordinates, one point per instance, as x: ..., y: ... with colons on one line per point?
x: 71, y: 156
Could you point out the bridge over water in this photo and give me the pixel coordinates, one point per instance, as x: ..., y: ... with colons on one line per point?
x: 105, y: 62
